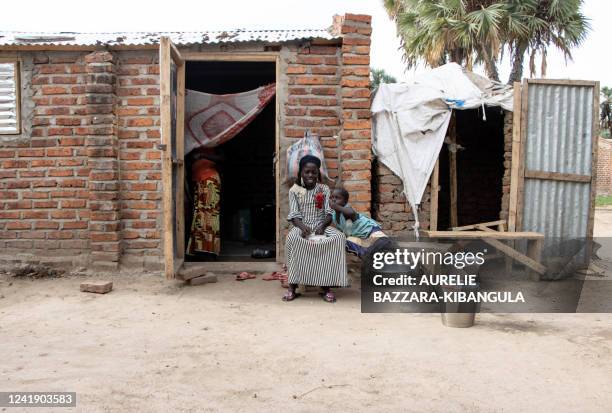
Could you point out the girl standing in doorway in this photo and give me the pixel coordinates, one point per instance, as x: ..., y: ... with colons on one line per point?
x: 317, y: 261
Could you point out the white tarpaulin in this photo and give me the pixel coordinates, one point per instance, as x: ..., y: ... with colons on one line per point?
x: 410, y: 120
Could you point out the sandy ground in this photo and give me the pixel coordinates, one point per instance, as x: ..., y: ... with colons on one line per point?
x: 602, y: 231
x: 158, y: 345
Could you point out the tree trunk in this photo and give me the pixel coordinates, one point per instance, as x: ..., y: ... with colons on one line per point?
x: 518, y: 56
x: 490, y: 66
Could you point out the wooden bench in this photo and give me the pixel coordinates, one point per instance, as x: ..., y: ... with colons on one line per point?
x: 531, y: 260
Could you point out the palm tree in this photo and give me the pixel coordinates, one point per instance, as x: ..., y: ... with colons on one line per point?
x: 439, y: 31
x: 477, y: 31
x: 378, y: 76
x: 532, y: 26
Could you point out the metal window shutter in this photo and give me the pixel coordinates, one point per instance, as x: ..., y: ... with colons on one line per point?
x: 8, y: 99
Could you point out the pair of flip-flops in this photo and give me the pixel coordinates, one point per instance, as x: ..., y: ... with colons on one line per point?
x: 329, y: 296
x: 245, y: 276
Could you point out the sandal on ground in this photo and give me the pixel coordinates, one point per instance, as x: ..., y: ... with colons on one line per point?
x: 290, y: 295
x: 245, y: 276
x: 274, y: 276
x: 329, y: 297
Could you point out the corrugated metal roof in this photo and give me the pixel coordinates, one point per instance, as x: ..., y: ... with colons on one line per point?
x: 152, y: 38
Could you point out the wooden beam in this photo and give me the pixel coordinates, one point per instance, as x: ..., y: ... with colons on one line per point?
x: 565, y: 82
x: 485, y: 228
x: 556, y: 176
x: 180, y: 164
x: 517, y: 256
x: 482, y: 234
x: 452, y: 166
x: 434, y: 189
x: 486, y: 224
x: 521, y: 167
x: 516, y: 157
x: 594, y: 152
x: 277, y: 159
x: 176, y: 55
x: 231, y: 56
x: 166, y: 131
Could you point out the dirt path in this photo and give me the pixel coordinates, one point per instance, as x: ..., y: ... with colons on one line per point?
x: 155, y: 345
x: 603, y: 231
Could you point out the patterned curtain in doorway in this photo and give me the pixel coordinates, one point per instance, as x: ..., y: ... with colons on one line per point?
x: 211, y: 120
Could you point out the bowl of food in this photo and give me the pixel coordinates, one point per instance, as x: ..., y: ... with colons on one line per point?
x: 316, y: 238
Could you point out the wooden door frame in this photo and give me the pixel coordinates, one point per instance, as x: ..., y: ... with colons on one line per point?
x: 189, y: 56
x: 168, y: 53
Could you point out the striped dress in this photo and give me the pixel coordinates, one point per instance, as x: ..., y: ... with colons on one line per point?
x: 318, y: 264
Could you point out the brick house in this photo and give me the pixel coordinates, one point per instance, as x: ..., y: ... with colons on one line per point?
x: 82, y: 170
x: 604, y: 167
x: 91, y: 164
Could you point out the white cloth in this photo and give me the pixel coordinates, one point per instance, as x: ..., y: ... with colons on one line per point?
x: 410, y: 120
x: 211, y: 120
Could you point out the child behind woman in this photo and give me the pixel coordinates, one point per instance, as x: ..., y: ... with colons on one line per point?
x: 364, y: 235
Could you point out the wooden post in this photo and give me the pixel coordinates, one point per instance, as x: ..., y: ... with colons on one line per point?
x: 594, y: 154
x: 452, y: 166
x: 534, y: 251
x: 518, y: 224
x: 433, y: 204
x: 516, y: 157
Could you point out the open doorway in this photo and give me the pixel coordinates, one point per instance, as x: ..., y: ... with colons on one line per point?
x: 246, y: 166
x: 479, y: 169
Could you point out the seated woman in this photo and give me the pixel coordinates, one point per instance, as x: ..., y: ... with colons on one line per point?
x: 318, y: 263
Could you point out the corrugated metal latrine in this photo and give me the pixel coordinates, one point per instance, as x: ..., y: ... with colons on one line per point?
x: 559, y: 139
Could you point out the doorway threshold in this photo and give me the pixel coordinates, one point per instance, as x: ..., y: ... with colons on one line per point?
x: 191, y: 270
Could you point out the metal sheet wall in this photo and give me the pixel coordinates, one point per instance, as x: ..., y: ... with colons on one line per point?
x: 558, y: 139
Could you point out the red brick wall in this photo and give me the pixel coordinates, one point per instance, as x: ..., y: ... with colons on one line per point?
x: 313, y: 78
x: 356, y: 151
x: 83, y: 183
x: 43, y: 179
x: 139, y: 161
x: 604, y: 167
x: 389, y: 205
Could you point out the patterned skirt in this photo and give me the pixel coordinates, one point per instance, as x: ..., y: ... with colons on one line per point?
x: 205, y: 236
x: 317, y: 264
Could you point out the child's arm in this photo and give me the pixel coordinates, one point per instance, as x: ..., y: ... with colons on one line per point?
x: 348, y: 212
